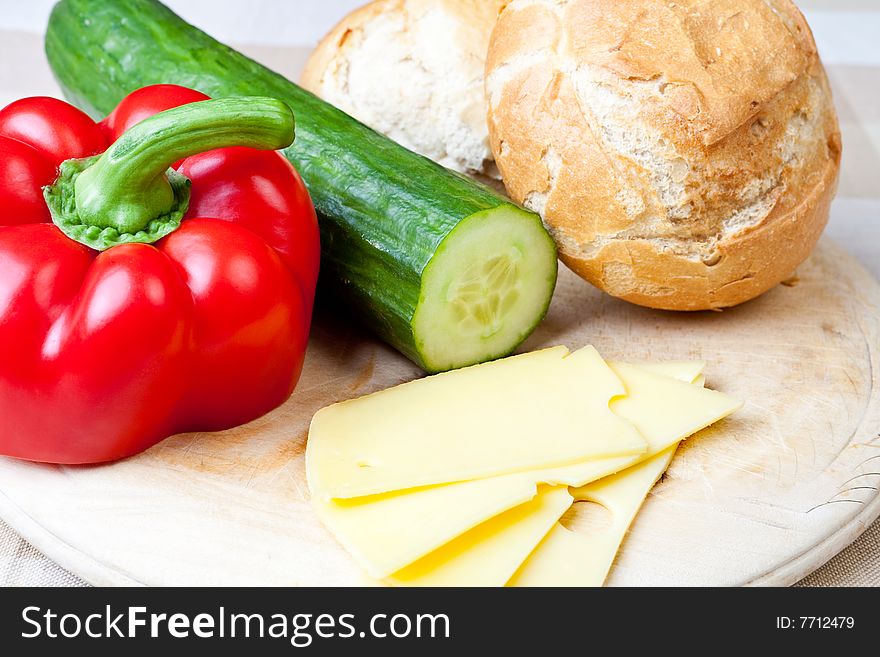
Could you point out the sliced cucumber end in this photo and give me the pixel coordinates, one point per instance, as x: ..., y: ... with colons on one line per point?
x: 486, y: 288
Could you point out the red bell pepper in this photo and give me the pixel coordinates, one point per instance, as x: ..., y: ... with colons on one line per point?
x: 144, y: 307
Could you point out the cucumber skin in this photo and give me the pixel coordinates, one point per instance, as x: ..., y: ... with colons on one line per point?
x: 383, y: 210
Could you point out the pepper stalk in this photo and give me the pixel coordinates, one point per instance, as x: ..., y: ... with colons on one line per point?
x: 129, y: 194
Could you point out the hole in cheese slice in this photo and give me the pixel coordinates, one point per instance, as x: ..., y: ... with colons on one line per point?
x: 572, y: 558
x: 586, y: 516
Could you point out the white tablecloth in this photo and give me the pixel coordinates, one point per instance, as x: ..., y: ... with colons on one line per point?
x: 846, y: 32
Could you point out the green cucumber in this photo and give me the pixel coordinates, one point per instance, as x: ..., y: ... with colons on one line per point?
x: 444, y: 269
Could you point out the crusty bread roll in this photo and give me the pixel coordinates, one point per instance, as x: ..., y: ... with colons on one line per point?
x: 683, y: 154
x: 413, y: 70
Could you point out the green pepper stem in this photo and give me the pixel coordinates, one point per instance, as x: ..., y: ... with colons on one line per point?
x: 127, y: 187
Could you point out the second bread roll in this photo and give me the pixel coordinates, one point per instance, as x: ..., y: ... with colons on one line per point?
x: 413, y: 70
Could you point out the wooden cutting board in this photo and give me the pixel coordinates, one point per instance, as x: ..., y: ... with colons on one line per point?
x: 762, y: 498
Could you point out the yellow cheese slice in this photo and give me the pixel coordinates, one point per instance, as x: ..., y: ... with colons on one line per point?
x: 371, y: 527
x: 490, y: 554
x: 665, y: 410
x: 683, y: 370
x: 622, y: 493
x: 699, y: 410
x: 387, y: 532
x: 570, y: 558
x: 535, y: 410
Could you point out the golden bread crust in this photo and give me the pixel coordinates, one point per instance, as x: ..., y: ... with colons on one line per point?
x: 684, y: 154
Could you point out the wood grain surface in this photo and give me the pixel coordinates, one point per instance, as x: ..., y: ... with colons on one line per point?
x: 762, y: 498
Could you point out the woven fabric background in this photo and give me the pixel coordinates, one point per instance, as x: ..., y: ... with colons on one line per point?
x: 846, y: 32
x: 21, y: 564
x: 857, y: 565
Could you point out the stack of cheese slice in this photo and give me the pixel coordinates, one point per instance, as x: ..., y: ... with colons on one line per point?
x: 461, y: 478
